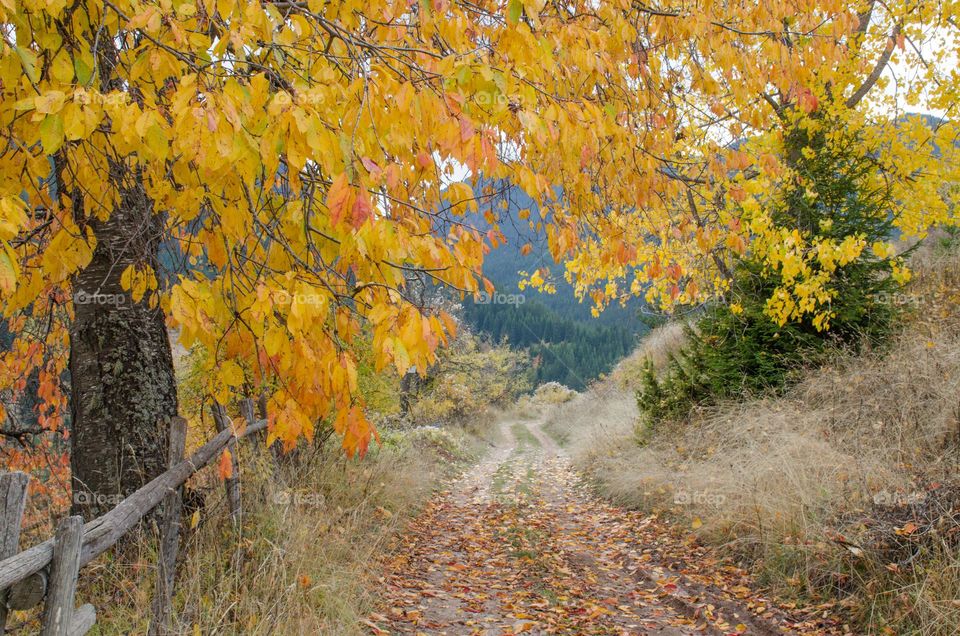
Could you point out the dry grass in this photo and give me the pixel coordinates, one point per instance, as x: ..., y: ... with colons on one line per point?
x: 656, y: 347
x: 780, y: 481
x: 601, y: 421
x: 547, y: 395
x: 304, y: 559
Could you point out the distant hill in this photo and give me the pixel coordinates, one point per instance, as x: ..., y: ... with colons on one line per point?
x: 502, y: 265
x: 567, y: 343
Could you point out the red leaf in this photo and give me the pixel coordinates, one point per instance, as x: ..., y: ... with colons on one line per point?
x: 362, y: 210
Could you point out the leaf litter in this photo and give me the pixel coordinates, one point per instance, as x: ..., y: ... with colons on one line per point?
x: 519, y: 545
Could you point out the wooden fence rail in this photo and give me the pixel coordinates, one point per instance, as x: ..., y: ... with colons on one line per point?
x: 48, y: 571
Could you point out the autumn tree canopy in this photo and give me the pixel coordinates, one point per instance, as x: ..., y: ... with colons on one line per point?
x: 301, y: 158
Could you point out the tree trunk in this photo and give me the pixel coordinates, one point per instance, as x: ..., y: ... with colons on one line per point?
x: 123, y: 390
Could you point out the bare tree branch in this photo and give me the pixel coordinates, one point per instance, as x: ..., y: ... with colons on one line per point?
x: 877, y: 71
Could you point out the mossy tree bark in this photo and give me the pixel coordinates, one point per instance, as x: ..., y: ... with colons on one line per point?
x: 121, y: 365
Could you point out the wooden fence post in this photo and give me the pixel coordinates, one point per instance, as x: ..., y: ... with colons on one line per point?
x: 274, y: 448
x: 252, y: 410
x: 84, y: 618
x: 58, y: 611
x: 169, y: 536
x: 246, y: 411
x: 262, y: 406
x: 13, y: 499
x: 232, y: 485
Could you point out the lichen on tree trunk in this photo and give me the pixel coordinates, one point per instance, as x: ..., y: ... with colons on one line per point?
x: 121, y: 367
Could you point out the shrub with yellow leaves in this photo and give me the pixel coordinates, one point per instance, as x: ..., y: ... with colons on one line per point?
x: 810, y: 283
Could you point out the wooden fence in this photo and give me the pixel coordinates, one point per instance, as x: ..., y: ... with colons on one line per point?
x: 47, y: 573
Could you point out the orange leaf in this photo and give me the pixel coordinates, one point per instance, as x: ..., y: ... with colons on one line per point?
x: 225, y: 468
x: 908, y: 528
x: 449, y: 324
x: 338, y: 197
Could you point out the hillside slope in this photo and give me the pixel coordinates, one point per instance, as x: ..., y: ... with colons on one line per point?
x: 844, y: 490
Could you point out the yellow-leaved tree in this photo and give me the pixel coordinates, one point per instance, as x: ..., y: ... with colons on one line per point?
x: 262, y: 177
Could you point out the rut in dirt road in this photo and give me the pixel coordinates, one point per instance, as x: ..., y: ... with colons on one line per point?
x: 519, y: 546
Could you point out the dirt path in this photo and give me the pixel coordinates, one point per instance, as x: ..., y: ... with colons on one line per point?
x: 517, y: 545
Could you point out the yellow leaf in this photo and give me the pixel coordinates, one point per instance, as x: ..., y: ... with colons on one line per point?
x: 67, y: 252
x: 51, y: 133
x: 274, y: 341
x: 62, y: 68
x: 231, y: 373
x: 126, y: 277
x: 156, y: 140
x: 28, y: 60
x: 74, y: 122
x: 83, y: 67
x: 9, y: 270
x: 49, y: 103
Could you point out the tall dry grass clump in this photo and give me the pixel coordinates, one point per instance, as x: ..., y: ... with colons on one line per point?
x: 602, y: 420
x: 303, y: 560
x: 844, y: 489
x: 657, y: 347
